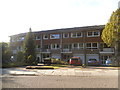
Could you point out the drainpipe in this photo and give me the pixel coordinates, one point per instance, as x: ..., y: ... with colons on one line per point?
x: 41, y: 47
x: 61, y: 45
x: 85, y: 64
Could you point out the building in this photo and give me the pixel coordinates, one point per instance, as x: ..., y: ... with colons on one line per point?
x: 83, y: 42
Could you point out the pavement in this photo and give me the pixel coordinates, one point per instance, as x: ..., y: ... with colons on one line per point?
x: 65, y: 71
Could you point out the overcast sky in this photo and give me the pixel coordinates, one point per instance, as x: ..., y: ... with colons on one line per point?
x: 17, y: 16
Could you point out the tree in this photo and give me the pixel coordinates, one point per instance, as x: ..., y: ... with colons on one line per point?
x: 29, y: 48
x: 20, y: 56
x: 111, y: 32
x: 6, y: 52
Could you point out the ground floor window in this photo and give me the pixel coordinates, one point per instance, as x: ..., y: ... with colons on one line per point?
x: 46, y: 55
x: 104, y: 58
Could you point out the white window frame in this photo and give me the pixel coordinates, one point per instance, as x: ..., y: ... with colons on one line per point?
x: 54, y: 38
x: 93, y: 34
x: 76, y: 34
x: 21, y: 38
x: 37, y: 38
x: 92, y: 46
x: 45, y: 35
x: 78, y: 46
x: 64, y: 35
x: 37, y: 46
x: 13, y: 40
x: 55, y: 46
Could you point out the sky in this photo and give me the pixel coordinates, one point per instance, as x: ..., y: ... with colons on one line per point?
x: 17, y: 16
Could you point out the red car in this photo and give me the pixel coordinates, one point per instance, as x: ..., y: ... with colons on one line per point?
x: 75, y: 61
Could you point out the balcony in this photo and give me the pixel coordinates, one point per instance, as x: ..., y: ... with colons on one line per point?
x: 107, y: 51
x: 66, y: 51
x: 14, y: 51
x: 38, y: 50
x: 46, y: 51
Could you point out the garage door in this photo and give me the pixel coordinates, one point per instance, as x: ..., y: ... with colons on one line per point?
x: 79, y: 55
x: 58, y: 56
x: 92, y: 56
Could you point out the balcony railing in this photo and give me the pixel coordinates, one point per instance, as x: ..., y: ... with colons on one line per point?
x: 107, y: 50
x: 38, y: 50
x: 66, y: 51
x: 45, y: 51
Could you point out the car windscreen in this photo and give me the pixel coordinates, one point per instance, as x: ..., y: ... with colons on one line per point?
x: 92, y: 60
x: 74, y: 59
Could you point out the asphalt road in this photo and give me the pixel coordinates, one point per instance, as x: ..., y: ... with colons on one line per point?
x: 60, y: 82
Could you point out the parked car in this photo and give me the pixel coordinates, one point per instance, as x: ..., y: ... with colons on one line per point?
x: 75, y: 61
x: 47, y: 61
x: 93, y: 62
x: 108, y: 62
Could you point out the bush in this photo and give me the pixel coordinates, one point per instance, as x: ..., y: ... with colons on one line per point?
x: 13, y: 64
x: 116, y: 61
x: 58, y: 61
x: 20, y: 56
x: 31, y: 60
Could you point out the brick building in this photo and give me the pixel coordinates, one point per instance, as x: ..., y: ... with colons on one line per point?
x: 83, y: 42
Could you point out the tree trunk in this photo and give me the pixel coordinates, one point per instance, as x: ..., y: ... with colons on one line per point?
x: 117, y: 52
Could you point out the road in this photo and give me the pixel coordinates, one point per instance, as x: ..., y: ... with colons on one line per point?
x: 55, y: 81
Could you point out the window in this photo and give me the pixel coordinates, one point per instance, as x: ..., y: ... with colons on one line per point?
x: 19, y: 48
x: 77, y: 34
x: 91, y: 45
x: 78, y: 45
x: 89, y: 33
x: 75, y: 45
x: 66, y: 46
x: 37, y: 37
x: 55, y: 46
x: 54, y: 36
x: 37, y: 46
x: 94, y: 45
x: 13, y: 39
x: 45, y: 36
x: 81, y: 45
x: 20, y: 38
x: 88, y: 45
x: 46, y: 46
x: 93, y: 33
x: 66, y: 35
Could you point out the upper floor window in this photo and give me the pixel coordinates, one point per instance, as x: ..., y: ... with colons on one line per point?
x: 77, y: 34
x: 91, y: 45
x: 54, y: 36
x: 66, y: 35
x: 46, y: 46
x: 45, y: 36
x: 37, y: 46
x: 37, y: 37
x: 67, y: 46
x: 78, y: 45
x: 55, y: 46
x: 13, y: 39
x: 93, y: 33
x: 20, y: 38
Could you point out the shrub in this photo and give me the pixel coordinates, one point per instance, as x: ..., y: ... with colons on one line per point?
x: 20, y: 56
x: 115, y: 61
x: 58, y: 61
